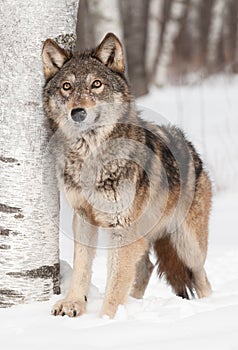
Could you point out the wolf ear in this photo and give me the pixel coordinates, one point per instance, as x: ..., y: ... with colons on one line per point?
x: 53, y: 58
x: 110, y: 53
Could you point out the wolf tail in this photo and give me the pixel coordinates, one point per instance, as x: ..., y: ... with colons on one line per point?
x: 177, y: 274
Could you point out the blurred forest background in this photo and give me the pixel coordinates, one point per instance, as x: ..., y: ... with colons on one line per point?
x: 185, y: 54
x: 183, y: 44
x: 176, y: 41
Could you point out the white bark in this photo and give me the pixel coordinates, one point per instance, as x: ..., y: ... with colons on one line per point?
x: 105, y: 16
x: 154, y: 32
x: 29, y: 207
x: 177, y: 11
x: 215, y: 29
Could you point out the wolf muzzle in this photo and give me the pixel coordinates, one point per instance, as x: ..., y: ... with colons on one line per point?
x: 78, y: 114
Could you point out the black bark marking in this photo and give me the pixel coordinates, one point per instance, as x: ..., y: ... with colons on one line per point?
x: 8, y: 209
x: 32, y: 103
x: 7, y: 232
x: 4, y: 305
x: 11, y: 293
x: 7, y: 296
x: 45, y: 272
x: 5, y: 247
x: 19, y: 216
x: 8, y: 160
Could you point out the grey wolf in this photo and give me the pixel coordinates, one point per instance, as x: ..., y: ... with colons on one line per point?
x: 145, y: 184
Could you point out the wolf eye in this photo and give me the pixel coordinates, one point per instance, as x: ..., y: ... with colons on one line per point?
x: 96, y: 84
x: 67, y: 86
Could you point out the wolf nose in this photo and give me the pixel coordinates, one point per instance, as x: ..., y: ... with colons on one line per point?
x: 78, y: 114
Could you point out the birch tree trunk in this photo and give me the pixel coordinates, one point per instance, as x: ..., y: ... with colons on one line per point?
x: 154, y: 34
x: 177, y: 11
x: 215, y: 33
x: 164, y: 17
x: 29, y: 203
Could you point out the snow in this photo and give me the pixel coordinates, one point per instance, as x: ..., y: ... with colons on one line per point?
x: 161, y: 320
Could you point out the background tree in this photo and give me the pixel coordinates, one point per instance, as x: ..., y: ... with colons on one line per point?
x: 172, y: 25
x: 154, y: 34
x: 95, y: 19
x: 29, y: 206
x: 230, y: 36
x: 214, y: 56
x: 135, y: 23
x: 165, y: 40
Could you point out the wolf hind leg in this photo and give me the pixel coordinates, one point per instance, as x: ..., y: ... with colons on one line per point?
x: 177, y: 274
x: 192, y: 253
x: 144, y: 270
x: 191, y: 238
x: 201, y: 283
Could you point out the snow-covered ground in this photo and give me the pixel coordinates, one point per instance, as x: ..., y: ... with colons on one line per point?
x: 208, y: 113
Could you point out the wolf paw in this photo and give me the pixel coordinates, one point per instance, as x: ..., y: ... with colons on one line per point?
x: 108, y: 310
x: 71, y: 308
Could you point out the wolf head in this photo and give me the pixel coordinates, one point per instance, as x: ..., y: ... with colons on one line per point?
x: 85, y: 91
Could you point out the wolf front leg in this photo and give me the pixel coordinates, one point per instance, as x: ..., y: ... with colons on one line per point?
x: 85, y: 241
x: 122, y: 261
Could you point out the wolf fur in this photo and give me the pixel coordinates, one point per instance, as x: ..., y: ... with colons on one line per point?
x: 145, y: 184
